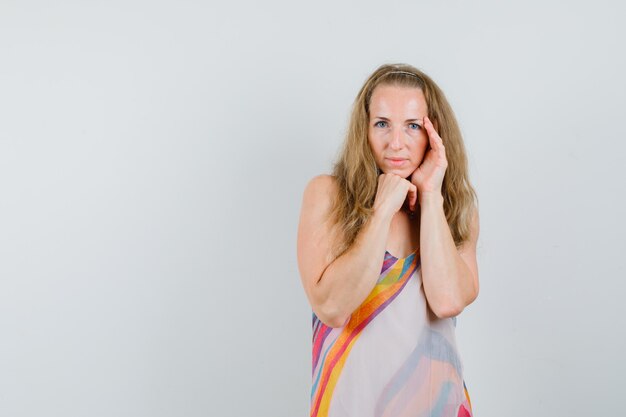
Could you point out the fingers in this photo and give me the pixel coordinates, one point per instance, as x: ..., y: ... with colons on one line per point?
x: 413, y: 197
x: 435, y: 140
x: 401, y: 184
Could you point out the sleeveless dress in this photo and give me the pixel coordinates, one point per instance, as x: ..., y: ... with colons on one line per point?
x: 392, y: 358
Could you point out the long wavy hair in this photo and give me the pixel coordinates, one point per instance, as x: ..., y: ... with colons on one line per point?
x: 356, y: 172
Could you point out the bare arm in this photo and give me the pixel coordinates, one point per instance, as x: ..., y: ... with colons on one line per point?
x: 449, y: 275
x: 336, y: 287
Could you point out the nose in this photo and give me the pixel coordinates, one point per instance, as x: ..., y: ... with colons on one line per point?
x: 397, y: 139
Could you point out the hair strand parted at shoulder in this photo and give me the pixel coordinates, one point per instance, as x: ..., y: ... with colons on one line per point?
x: 356, y: 172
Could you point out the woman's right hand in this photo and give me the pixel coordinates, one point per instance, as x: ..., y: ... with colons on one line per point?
x: 392, y: 193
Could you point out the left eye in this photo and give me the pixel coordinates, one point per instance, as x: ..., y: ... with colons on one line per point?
x: 416, y: 126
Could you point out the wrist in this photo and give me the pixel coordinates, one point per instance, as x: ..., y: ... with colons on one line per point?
x: 431, y: 198
x: 382, y: 215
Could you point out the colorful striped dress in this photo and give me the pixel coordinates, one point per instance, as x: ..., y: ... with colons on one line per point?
x: 392, y: 358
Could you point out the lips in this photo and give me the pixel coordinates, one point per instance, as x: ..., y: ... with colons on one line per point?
x: 396, y: 161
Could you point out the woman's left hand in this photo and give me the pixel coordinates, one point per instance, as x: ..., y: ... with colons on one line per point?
x: 428, y: 177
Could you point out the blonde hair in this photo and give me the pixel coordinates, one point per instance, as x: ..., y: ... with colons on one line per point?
x: 356, y: 172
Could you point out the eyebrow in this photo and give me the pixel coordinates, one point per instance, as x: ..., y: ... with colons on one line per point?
x: 407, y: 120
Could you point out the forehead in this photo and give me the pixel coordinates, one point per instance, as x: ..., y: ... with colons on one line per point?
x: 395, y: 99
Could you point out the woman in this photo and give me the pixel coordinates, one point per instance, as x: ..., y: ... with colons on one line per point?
x: 387, y: 256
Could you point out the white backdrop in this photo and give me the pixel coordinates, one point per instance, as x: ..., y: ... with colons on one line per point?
x: 153, y: 156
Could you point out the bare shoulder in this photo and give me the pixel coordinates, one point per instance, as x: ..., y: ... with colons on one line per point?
x: 320, y: 189
x: 474, y: 229
x: 474, y: 225
x: 315, y: 232
x: 318, y: 197
x: 317, y: 202
x: 467, y: 251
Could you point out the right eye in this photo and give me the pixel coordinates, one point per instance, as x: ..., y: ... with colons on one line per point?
x: 381, y: 121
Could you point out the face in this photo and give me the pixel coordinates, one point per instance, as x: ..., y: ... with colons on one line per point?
x: 396, y: 132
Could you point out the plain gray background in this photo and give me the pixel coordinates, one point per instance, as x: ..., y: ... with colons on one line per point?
x: 153, y: 156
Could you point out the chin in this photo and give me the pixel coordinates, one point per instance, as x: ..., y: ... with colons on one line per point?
x: 404, y: 172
